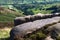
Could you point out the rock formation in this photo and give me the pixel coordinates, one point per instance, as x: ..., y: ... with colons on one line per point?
x: 30, y: 18
x: 21, y: 30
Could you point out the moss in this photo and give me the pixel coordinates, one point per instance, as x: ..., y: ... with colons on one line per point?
x: 37, y: 36
x: 58, y: 38
x: 4, y: 33
x: 41, y: 35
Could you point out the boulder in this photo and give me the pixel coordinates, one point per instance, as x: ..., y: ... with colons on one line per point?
x: 21, y: 30
x: 27, y: 18
x: 30, y: 18
x: 19, y: 20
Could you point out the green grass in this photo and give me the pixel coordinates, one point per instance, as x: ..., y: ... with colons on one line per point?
x: 38, y: 35
x: 5, y: 18
x: 4, y: 34
x: 9, y: 15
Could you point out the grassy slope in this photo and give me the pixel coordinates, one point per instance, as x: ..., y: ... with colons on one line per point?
x: 7, y: 16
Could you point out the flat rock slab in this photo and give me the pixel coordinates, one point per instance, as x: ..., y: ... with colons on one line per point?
x: 29, y: 27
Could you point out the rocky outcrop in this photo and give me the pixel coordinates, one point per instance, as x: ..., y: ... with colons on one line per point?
x: 21, y: 30
x: 30, y: 18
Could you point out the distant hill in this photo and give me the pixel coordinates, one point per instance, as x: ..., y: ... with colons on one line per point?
x: 25, y: 1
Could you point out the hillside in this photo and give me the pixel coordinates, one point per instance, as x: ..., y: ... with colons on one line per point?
x: 30, y: 9
x: 31, y: 26
x: 33, y: 7
x: 7, y: 16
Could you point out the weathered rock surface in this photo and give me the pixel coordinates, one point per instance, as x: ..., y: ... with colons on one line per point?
x: 25, y: 28
x: 30, y: 18
x: 48, y: 38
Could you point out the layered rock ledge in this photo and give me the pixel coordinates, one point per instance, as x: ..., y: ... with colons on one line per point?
x: 21, y: 30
